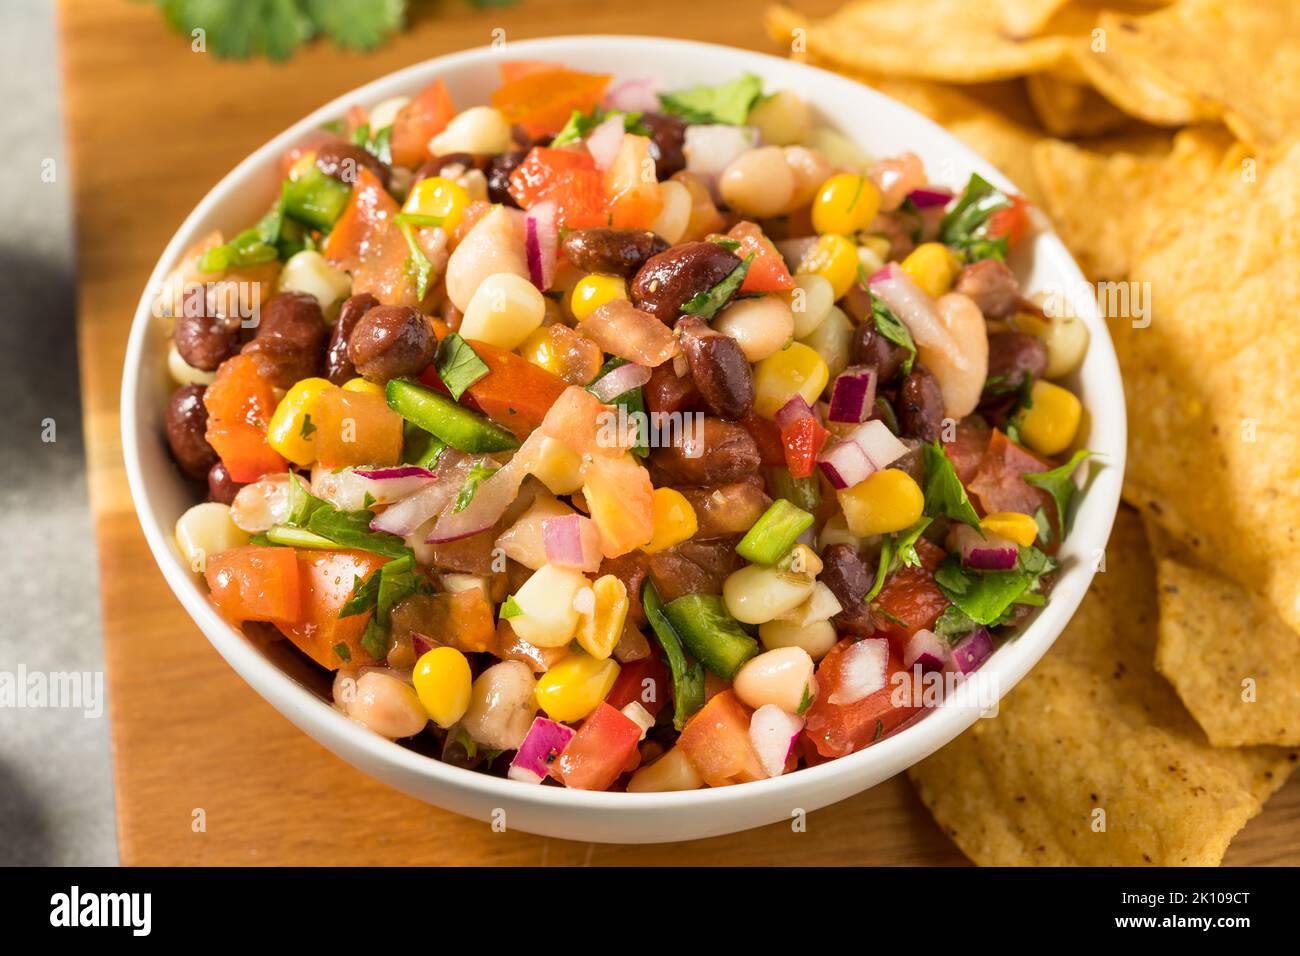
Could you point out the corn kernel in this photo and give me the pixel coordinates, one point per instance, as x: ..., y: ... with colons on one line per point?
x: 361, y: 385
x: 504, y: 311
x: 1017, y: 527
x: 886, y: 502
x: 835, y: 259
x: 539, y: 348
x: 845, y: 204
x: 575, y: 686
x: 440, y: 198
x: 443, y: 681
x: 291, y: 431
x: 547, y: 615
x: 795, y: 370
x: 1050, y: 423
x: 600, y: 630
x: 674, y: 520
x: 932, y: 267
x: 207, y: 529
x: 558, y: 467
x: 593, y: 291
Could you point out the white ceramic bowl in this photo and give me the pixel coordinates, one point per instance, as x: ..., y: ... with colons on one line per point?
x: 883, y: 127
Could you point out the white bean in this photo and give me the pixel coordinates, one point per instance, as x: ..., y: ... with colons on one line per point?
x: 761, y: 327
x: 479, y: 129
x: 494, y: 245
x: 501, y: 706
x: 810, y: 301
x: 810, y: 169
x: 817, y: 638
x: 204, y: 530
x: 385, y: 112
x: 781, y: 677
x: 183, y: 373
x: 261, y: 504
x: 386, y: 705
x: 758, y: 182
x: 675, y: 215
x: 757, y: 594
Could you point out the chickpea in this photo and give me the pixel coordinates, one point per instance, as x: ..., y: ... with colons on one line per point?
x: 781, y: 677
x: 816, y: 638
x: 758, y: 183
x: 810, y: 169
x: 386, y: 705
x: 761, y: 327
x: 262, y: 504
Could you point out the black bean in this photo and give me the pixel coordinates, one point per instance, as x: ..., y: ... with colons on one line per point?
x: 719, y: 369
x: 850, y: 579
x: 289, y: 344
x: 919, y: 405
x: 205, y: 341
x: 1013, y: 357
x: 619, y: 252
x: 670, y: 279
x: 667, y: 138
x: 446, y: 165
x: 873, y: 350
x: 338, y: 366
x: 187, y: 425
x: 391, y: 341
x: 498, y: 176
x: 699, y: 565
x: 706, y: 451
x: 221, y: 487
x: 992, y: 286
x: 340, y: 160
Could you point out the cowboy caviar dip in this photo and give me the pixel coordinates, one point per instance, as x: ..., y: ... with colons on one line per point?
x: 615, y: 438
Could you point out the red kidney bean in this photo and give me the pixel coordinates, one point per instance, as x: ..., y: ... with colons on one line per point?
x: 714, y: 453
x: 850, y: 579
x: 697, y: 565
x: 221, y: 487
x: 187, y: 425
x: 631, y: 569
x: 668, y: 280
x: 667, y: 392
x: 340, y: 160
x: 619, y: 252
x: 289, y: 344
x: 1013, y: 357
x: 391, y: 341
x: 667, y: 139
x: 719, y: 368
x: 873, y: 350
x: 728, y: 509
x: 205, y: 341
x: 338, y: 366
x: 919, y: 405
x: 992, y: 285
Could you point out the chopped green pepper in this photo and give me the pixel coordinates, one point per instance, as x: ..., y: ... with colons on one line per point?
x: 710, y: 633
x: 806, y: 493
x: 774, y: 533
x: 688, y: 680
x: 437, y: 414
x: 316, y: 199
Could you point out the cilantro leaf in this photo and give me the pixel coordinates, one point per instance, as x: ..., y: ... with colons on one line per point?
x: 1044, y: 526
x: 510, y: 608
x: 944, y: 494
x: 905, y: 544
x: 357, y: 24
x: 965, y: 226
x: 364, y: 596
x: 276, y: 28
x: 805, y: 701
x: 707, y: 304
x: 888, y: 324
x: 580, y: 124
x: 882, y: 569
x: 418, y: 265
x: 984, y: 596
x: 727, y: 103
x: 1060, y: 486
x: 351, y: 529
x: 301, y: 502
x: 477, y: 472
x: 458, y: 365
x: 954, y: 623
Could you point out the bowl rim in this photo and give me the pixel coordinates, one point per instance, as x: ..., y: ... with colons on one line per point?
x: 304, y: 708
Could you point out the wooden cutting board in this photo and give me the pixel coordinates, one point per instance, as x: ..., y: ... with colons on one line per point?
x: 151, y: 126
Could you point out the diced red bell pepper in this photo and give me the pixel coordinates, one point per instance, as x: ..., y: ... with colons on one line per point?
x: 1012, y: 222
x: 418, y: 122
x: 240, y: 394
x: 716, y: 742
x: 567, y: 176
x: 254, y: 583
x: 840, y: 729
x: 802, y: 441
x: 768, y: 272
x: 600, y: 752
x: 646, y: 681
x: 541, y: 101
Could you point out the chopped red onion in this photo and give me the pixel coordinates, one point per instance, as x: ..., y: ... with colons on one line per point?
x: 562, y: 537
x: 620, y: 381
x: 710, y: 148
x: 387, y: 485
x: 985, y: 551
x: 773, y: 734
x: 845, y: 464
x: 492, y: 497
x: 541, y: 243
x: 914, y: 309
x: 853, y: 396
x: 421, y: 644
x: 635, y: 95
x: 792, y: 411
x: 863, y: 670
x: 972, y: 650
x: 404, y: 517
x: 605, y: 141
x: 546, y: 740
x: 927, y: 649
x: 878, y: 443
x: 930, y: 196
x: 634, y: 712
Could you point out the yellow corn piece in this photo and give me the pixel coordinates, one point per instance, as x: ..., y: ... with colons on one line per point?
x: 575, y: 686
x: 593, y: 291
x: 1017, y: 527
x: 886, y: 502
x: 845, y: 204
x: 835, y: 259
x: 600, y: 630
x: 539, y: 348
x: 361, y: 385
x: 291, y: 431
x: 932, y: 267
x: 440, y: 199
x: 797, y: 369
x: 674, y: 520
x: 1049, y: 424
x: 443, y: 681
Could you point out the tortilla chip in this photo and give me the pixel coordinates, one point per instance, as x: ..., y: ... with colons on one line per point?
x: 1094, y: 728
x: 1231, y: 659
x: 953, y: 40
x: 1069, y: 108
x: 1104, y: 205
x: 1024, y: 18
x: 1210, y: 378
x: 1206, y: 59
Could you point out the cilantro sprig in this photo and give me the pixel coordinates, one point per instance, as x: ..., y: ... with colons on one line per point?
x: 944, y: 494
x: 965, y: 226
x: 580, y: 124
x: 727, y: 103
x: 1059, y: 483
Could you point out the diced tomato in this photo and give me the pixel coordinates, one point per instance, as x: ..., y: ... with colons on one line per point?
x: 240, y: 394
x: 255, y: 583
x: 768, y: 272
x: 631, y: 189
x: 771, y: 447
x: 243, y: 450
x: 513, y: 70
x: 567, y: 176
x: 645, y: 681
x: 515, y: 393
x: 541, y: 101
x: 966, y: 449
x: 327, y: 579
x: 356, y: 428
x: 716, y: 742
x: 577, y: 419
x: 620, y: 498
x: 840, y: 729
x: 600, y: 752
x: 997, y: 483
x: 367, y: 243
x: 418, y: 122
x: 1012, y: 222
x: 911, y: 597
x: 803, y: 440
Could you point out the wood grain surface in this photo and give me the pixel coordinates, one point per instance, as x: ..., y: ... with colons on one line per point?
x: 151, y: 126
